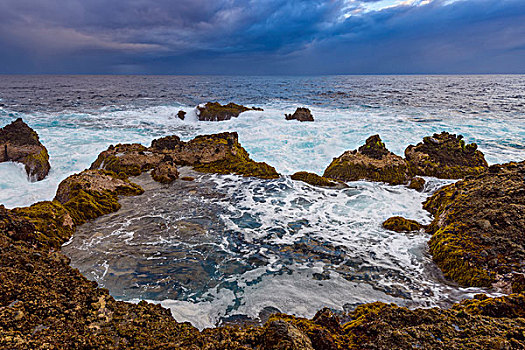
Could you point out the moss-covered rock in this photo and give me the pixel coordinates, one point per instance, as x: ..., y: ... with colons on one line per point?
x: 477, y: 233
x: 214, y: 111
x: 445, y: 156
x: 400, y: 224
x: 52, y: 222
x: 316, y: 180
x: 417, y: 183
x: 165, y: 173
x: 93, y: 193
x: 371, y: 162
x: 301, y: 114
x: 19, y: 143
x: 218, y: 153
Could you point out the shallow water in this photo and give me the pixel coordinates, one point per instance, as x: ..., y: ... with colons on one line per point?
x: 225, y: 246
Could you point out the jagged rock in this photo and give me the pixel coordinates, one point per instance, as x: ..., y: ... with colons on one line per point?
x: 218, y: 153
x: 316, y: 180
x: 214, y: 111
x: 478, y: 226
x: 181, y: 115
x: 19, y: 143
x: 371, y: 162
x: 400, y: 224
x: 165, y: 173
x: 301, y: 114
x: 280, y: 335
x: 93, y: 193
x: 417, y: 183
x: 445, y: 156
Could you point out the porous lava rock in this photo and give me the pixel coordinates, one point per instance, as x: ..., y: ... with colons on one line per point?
x: 217, y: 153
x: 301, y: 114
x: 214, y: 111
x: 478, y: 228
x: 19, y: 143
x: 445, y: 156
x: 316, y: 180
x: 372, y: 161
x: 400, y: 224
x: 417, y: 183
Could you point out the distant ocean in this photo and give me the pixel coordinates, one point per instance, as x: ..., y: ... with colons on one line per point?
x: 263, y: 245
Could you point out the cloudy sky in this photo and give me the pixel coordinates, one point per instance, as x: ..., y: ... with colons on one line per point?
x: 262, y: 36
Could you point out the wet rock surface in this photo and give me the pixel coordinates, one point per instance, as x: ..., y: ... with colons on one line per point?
x: 372, y: 162
x: 214, y: 111
x: 445, y: 156
x: 400, y: 224
x: 478, y: 227
x: 218, y: 153
x: 301, y: 114
x: 19, y: 143
x: 316, y: 180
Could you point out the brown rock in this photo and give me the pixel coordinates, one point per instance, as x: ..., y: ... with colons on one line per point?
x: 316, y: 180
x: 181, y: 115
x: 417, y: 183
x: 301, y: 114
x: 165, y: 173
x: 400, y: 224
x: 280, y: 335
x: 19, y: 143
x: 214, y: 111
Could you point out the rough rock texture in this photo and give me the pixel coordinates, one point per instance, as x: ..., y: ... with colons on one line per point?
x: 93, y: 193
x: 479, y: 225
x: 214, y: 111
x: 218, y: 153
x: 417, y: 183
x: 165, y: 173
x: 371, y: 162
x: 316, y: 180
x: 181, y: 115
x: 445, y: 156
x: 20, y: 143
x: 301, y: 114
x: 400, y: 224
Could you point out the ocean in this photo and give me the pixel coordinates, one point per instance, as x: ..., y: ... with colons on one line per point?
x: 227, y: 248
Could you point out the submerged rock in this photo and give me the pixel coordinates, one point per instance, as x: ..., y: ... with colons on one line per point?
x: 316, y: 180
x: 181, y: 115
x: 477, y: 232
x: 19, y: 143
x: 445, y: 156
x: 400, y: 224
x: 214, y: 111
x: 301, y: 114
x: 218, y: 153
x: 371, y: 162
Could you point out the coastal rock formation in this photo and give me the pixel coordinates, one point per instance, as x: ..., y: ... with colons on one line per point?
x: 372, y: 162
x: 477, y: 233
x: 214, y: 111
x: 181, y: 115
x: 19, y: 143
x: 417, y: 183
x: 400, y: 224
x: 445, y: 156
x: 316, y: 180
x: 301, y: 114
x: 218, y: 153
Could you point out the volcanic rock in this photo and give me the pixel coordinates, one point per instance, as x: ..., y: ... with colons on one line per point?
x: 214, y: 111
x: 181, y: 115
x: 19, y: 143
x: 316, y: 180
x: 445, y: 156
x: 400, y: 224
x: 477, y: 232
x: 301, y: 114
x: 417, y: 183
x: 371, y: 162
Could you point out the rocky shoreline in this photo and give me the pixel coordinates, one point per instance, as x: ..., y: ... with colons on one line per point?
x: 477, y: 240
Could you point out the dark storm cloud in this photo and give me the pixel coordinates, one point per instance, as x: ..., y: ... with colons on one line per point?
x: 261, y: 36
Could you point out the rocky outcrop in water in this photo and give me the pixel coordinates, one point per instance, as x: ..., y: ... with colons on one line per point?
x: 214, y: 111
x: 400, y: 224
x: 445, y: 156
x: 372, y: 161
x: 19, y: 143
x: 181, y: 115
x: 218, y: 153
x: 478, y: 228
x: 417, y: 183
x: 316, y: 180
x: 301, y: 114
